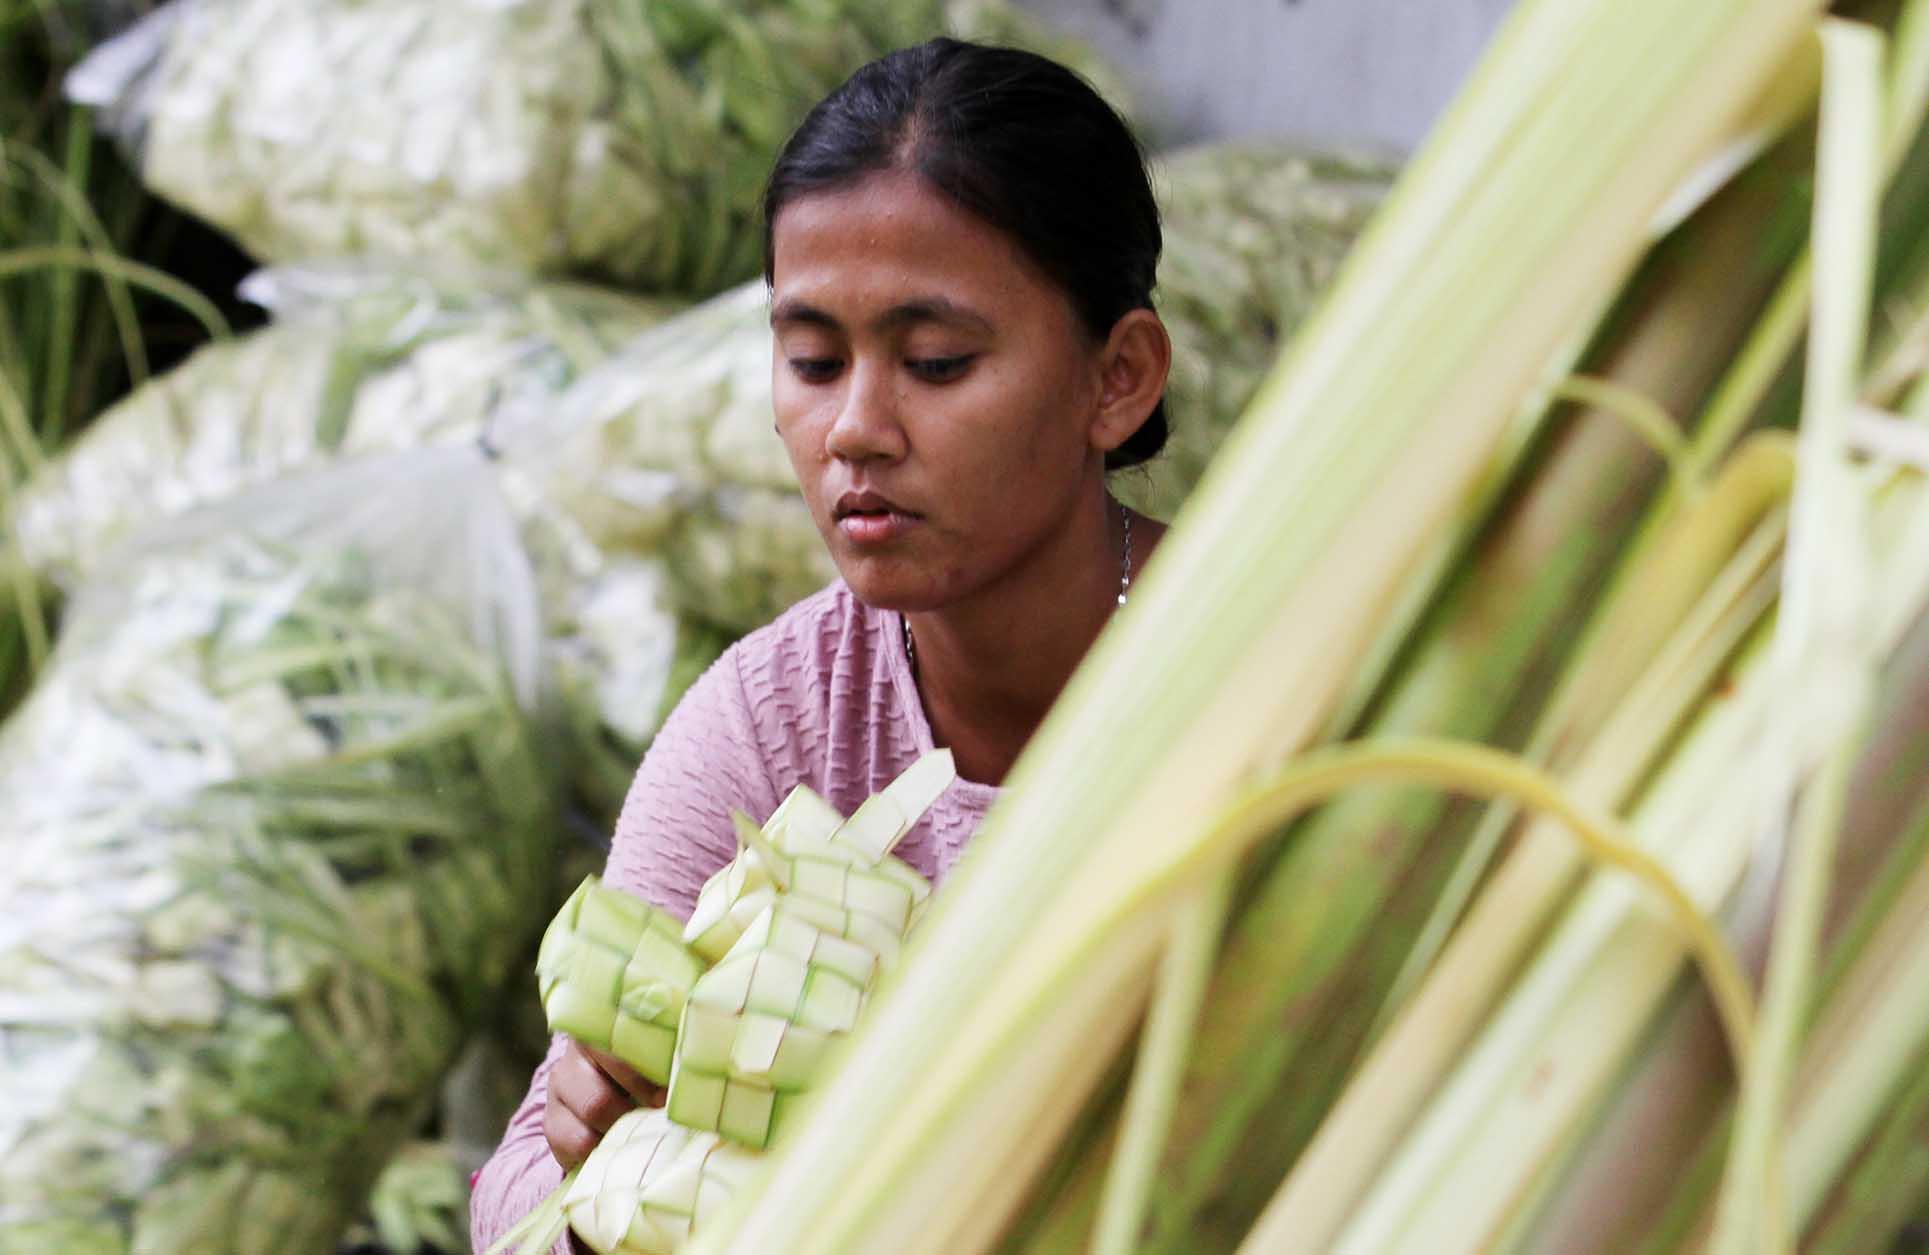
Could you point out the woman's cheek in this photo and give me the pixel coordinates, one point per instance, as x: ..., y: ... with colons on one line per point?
x: 794, y: 428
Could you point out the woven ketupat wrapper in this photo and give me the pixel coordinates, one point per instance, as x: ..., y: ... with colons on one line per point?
x: 736, y: 1009
x: 614, y: 974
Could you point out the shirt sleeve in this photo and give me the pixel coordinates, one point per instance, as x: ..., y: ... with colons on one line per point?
x: 674, y: 833
x: 522, y: 1172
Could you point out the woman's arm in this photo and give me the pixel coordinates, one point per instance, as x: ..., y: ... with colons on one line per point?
x: 673, y: 834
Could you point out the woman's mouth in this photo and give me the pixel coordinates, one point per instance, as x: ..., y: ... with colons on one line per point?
x: 868, y: 519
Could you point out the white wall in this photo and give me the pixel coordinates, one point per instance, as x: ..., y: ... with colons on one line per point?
x: 1374, y: 72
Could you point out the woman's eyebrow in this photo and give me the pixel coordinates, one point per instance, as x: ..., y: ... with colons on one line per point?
x: 931, y: 309
x: 792, y: 312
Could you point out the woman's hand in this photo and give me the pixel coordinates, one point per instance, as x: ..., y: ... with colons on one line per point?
x: 588, y: 1091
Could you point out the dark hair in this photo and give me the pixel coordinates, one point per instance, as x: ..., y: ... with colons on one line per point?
x: 1018, y: 140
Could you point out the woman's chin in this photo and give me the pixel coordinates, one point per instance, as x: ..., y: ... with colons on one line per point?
x: 887, y: 586
x: 883, y: 595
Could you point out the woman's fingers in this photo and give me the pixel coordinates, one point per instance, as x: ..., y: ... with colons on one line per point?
x: 639, y: 1087
x: 570, y: 1140
x: 588, y: 1092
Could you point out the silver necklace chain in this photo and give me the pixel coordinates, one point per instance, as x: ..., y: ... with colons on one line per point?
x: 1125, y: 585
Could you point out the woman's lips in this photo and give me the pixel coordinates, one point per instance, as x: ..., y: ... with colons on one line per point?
x: 867, y: 518
x: 876, y: 528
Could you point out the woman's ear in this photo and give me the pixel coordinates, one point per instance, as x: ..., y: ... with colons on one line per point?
x: 1132, y: 370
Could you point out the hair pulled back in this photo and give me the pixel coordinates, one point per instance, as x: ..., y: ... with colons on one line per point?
x: 1014, y: 138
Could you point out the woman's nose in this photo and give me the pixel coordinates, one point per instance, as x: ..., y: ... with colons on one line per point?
x: 867, y: 425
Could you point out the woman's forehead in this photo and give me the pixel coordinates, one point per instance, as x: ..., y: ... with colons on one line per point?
x: 886, y: 209
x: 892, y: 240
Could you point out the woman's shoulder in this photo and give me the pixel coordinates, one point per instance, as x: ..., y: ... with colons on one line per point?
x: 770, y: 713
x: 828, y: 636
x: 830, y: 696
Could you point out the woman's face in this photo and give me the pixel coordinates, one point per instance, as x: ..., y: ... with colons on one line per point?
x: 935, y: 391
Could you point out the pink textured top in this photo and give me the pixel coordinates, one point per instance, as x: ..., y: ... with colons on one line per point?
x: 823, y: 697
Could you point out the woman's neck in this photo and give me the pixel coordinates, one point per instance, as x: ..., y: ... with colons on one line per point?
x: 988, y: 669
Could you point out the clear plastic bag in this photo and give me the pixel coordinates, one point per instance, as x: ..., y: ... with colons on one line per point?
x: 621, y: 655
x: 278, y: 835
x: 1254, y: 233
x: 424, y: 129
x: 359, y: 359
x: 363, y: 360
x: 608, y: 137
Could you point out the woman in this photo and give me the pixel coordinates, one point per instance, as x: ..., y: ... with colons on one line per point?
x: 960, y: 245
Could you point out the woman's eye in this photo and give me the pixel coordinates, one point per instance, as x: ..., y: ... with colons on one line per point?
x: 815, y: 369
x: 939, y: 369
